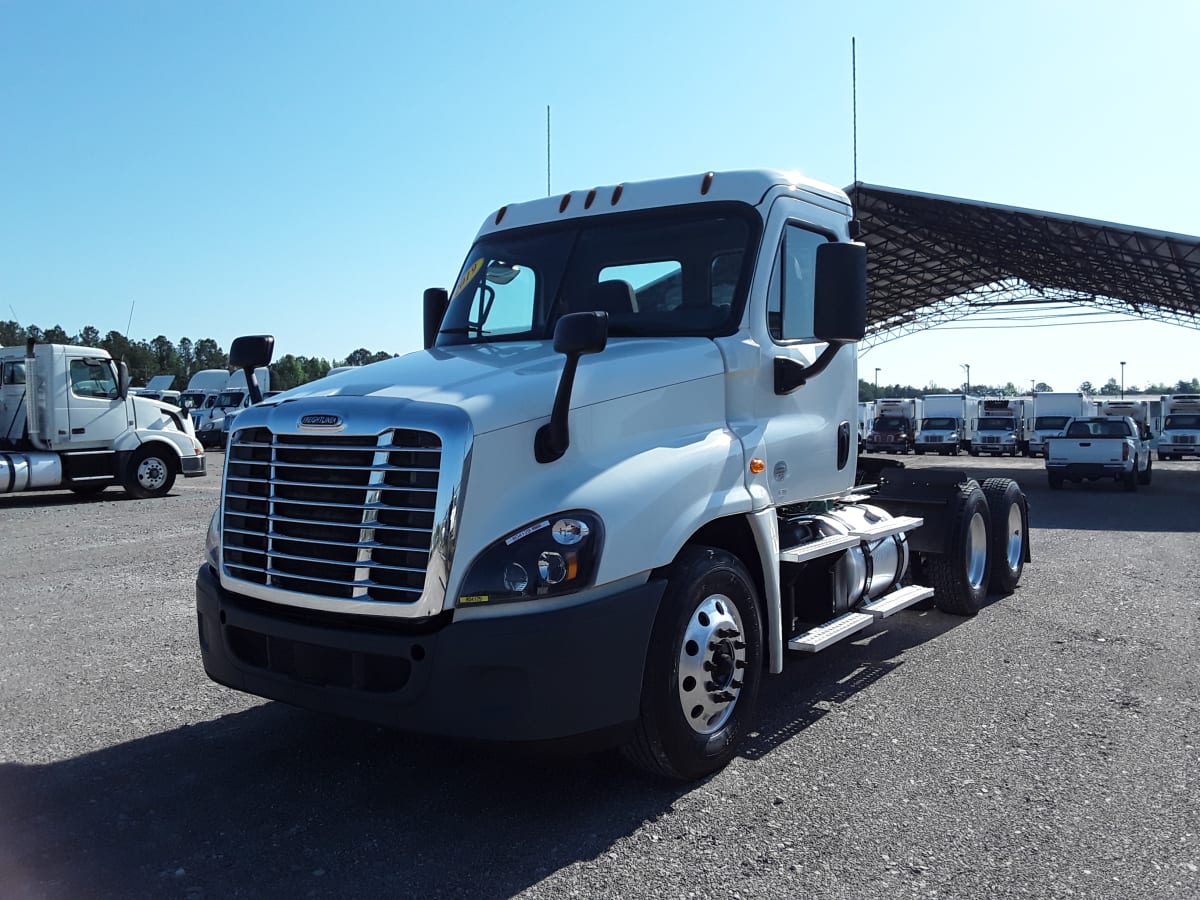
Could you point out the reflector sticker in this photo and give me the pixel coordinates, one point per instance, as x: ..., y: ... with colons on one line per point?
x: 526, y: 532
x: 467, y: 277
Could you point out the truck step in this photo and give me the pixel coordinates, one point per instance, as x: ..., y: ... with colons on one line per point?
x: 831, y: 632
x: 897, y: 600
x: 825, y: 546
x: 888, y: 527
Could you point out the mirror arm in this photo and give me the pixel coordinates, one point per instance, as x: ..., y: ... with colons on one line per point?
x: 553, y: 438
x: 791, y: 375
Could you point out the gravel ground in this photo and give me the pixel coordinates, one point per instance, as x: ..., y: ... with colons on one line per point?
x: 1046, y: 748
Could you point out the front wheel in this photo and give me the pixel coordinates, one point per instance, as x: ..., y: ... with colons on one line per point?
x: 959, y: 576
x: 150, y: 473
x: 703, y: 668
x: 1009, y: 533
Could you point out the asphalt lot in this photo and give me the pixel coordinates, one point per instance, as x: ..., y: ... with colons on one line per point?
x: 1046, y: 748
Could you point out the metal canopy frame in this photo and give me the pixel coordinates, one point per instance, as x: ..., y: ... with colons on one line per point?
x: 934, y: 260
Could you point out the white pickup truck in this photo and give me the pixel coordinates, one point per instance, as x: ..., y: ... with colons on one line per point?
x: 1100, y: 447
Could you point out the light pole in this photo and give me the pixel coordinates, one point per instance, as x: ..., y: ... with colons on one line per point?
x: 877, y: 382
x: 967, y: 366
x: 1122, y: 379
x: 1032, y: 390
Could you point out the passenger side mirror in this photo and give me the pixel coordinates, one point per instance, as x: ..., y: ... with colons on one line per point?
x: 248, y: 353
x: 840, y: 293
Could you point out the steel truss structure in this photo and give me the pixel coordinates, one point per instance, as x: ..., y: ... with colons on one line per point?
x: 933, y: 260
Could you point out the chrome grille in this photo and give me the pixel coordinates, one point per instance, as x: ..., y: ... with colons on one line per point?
x: 337, y: 516
x: 934, y: 439
x: 990, y: 439
x: 1185, y: 439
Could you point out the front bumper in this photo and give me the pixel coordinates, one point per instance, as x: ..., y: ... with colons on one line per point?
x: 539, y: 676
x: 192, y: 466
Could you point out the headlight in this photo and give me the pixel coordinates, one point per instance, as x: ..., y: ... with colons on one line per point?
x: 207, y: 426
x: 212, y: 541
x: 552, y: 556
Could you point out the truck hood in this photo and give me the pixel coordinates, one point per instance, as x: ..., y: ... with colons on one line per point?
x: 503, y: 384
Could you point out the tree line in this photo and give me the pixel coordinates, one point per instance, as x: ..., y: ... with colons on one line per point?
x: 182, y: 358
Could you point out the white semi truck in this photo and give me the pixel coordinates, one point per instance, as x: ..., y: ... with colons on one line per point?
x: 866, y: 415
x: 897, y: 425
x: 202, y: 390
x: 1051, y: 413
x: 949, y: 423
x: 1002, y: 429
x: 1180, y: 435
x: 617, y: 488
x: 68, y: 420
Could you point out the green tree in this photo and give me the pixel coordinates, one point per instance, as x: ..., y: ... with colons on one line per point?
x: 1111, y: 388
x: 209, y: 355
x: 57, y: 335
x: 1087, y: 387
x: 187, y: 358
x: 286, y: 373
x: 1041, y: 387
x: 11, y: 334
x: 165, y: 357
x: 89, y: 336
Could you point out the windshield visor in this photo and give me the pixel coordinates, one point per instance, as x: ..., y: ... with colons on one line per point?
x: 681, y: 272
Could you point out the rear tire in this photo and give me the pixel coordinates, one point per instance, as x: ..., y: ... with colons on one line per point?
x: 960, y: 575
x: 1131, y: 478
x: 1145, y: 477
x: 1008, y: 542
x: 703, y: 668
x: 150, y: 473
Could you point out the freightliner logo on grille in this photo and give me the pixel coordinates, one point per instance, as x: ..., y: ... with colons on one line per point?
x: 320, y: 420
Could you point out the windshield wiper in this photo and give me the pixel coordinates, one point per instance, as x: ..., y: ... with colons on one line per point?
x: 463, y: 329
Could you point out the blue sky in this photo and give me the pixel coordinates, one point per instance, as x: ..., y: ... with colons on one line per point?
x: 307, y: 169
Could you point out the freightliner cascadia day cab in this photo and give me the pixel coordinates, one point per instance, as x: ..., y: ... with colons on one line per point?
x: 68, y: 420
x: 617, y: 487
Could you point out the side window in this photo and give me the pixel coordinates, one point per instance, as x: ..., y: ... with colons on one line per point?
x: 90, y: 378
x: 14, y: 373
x: 790, y: 296
x: 654, y: 285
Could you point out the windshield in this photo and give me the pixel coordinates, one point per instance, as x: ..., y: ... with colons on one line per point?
x: 672, y: 273
x: 995, y: 423
x: 230, y: 398
x: 1051, y: 421
x: 191, y: 399
x: 1178, y: 421
x: 943, y: 422
x: 891, y: 424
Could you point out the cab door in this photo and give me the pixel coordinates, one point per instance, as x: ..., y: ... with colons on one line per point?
x: 12, y: 397
x: 96, y: 414
x: 809, y: 434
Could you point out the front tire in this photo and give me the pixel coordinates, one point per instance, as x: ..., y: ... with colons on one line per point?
x: 703, y: 668
x: 150, y: 473
x: 960, y: 575
x: 1008, y: 542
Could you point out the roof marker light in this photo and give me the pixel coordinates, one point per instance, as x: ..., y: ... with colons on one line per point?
x: 617, y: 191
x: 500, y: 214
x: 706, y: 184
x: 590, y: 199
x: 562, y: 206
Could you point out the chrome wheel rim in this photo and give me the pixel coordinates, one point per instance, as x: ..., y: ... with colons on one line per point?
x: 1016, y: 536
x: 712, y: 657
x: 976, y: 550
x: 151, y: 473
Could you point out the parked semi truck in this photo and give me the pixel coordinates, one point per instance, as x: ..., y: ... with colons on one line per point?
x: 949, y: 423
x: 1051, y: 413
x: 232, y: 398
x: 618, y: 487
x: 1002, y: 427
x: 202, y: 390
x: 1180, y: 435
x: 866, y: 415
x: 68, y: 420
x: 897, y: 425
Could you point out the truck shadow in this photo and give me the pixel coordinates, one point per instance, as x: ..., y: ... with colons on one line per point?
x: 278, y: 802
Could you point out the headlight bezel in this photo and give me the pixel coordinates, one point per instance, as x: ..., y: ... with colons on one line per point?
x: 533, y: 547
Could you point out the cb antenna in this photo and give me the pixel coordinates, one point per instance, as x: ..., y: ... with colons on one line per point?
x: 854, y: 111
x: 547, y: 149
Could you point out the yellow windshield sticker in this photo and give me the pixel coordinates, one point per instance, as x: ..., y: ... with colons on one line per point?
x: 467, y: 277
x: 475, y: 598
